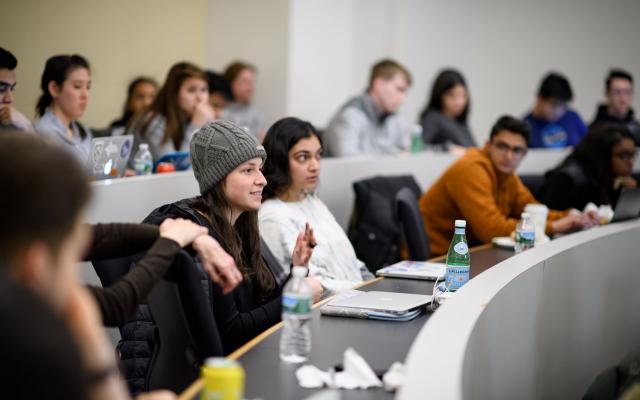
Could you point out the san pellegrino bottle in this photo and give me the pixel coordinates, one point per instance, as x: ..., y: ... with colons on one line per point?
x: 295, y: 342
x: 525, y: 233
x: 458, y: 258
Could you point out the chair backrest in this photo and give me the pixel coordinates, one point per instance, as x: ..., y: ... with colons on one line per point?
x: 534, y: 183
x: 374, y: 229
x: 186, y: 333
x: 109, y: 271
x: 412, y: 224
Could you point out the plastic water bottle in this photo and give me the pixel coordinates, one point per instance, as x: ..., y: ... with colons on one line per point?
x: 525, y: 233
x: 142, y: 161
x: 417, y: 143
x: 295, y: 342
x: 458, y: 258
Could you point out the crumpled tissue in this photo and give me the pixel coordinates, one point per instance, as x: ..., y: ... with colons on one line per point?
x: 356, y: 374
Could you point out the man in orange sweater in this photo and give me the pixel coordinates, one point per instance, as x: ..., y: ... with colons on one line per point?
x: 482, y: 188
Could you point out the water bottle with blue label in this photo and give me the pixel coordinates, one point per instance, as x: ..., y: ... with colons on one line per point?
x: 295, y: 342
x: 458, y: 258
x: 525, y: 233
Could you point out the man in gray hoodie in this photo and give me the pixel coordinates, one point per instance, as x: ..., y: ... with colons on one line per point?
x: 367, y: 124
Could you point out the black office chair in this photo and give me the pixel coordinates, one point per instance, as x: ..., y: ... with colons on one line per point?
x: 413, y: 229
x: 186, y: 331
x: 534, y: 183
x: 183, y: 326
x: 374, y: 229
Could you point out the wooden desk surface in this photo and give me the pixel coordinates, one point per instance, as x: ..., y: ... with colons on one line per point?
x: 379, y: 342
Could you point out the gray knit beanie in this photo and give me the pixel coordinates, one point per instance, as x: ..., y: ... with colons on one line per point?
x: 218, y: 148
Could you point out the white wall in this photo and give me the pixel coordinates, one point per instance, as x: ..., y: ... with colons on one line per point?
x: 503, y: 47
x: 121, y: 39
x: 255, y: 31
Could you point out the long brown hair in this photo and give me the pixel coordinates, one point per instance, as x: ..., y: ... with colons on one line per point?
x: 241, y: 241
x: 166, y: 103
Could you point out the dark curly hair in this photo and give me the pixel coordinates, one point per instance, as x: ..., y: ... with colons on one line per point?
x: 280, y: 138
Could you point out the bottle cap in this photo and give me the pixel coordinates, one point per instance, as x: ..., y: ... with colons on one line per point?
x: 525, y: 215
x: 299, y: 272
x: 144, y: 146
x: 461, y: 223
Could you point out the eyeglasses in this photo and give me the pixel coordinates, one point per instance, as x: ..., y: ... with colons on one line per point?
x: 626, y: 155
x: 517, y: 151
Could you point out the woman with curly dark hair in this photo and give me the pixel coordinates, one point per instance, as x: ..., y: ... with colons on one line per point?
x: 599, y: 167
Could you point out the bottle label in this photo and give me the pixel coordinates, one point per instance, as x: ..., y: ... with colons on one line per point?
x: 526, y: 236
x: 142, y: 166
x: 461, y: 248
x: 296, y: 305
x: 456, y: 276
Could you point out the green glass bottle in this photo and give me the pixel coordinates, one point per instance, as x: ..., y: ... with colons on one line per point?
x: 458, y: 258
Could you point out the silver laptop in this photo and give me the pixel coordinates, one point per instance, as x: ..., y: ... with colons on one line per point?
x: 414, y: 270
x: 391, y: 302
x: 109, y: 156
x: 628, y: 205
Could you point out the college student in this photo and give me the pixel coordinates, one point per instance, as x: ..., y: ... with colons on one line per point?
x: 619, y: 98
x: 140, y: 94
x: 596, y: 171
x: 227, y: 164
x: 553, y: 124
x: 242, y: 80
x: 65, y: 85
x: 181, y: 107
x: 444, y: 119
x: 10, y: 118
x: 292, y: 168
x: 367, y: 124
x: 482, y: 188
x: 52, y: 338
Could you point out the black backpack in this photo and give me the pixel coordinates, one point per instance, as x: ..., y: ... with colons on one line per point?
x: 375, y: 230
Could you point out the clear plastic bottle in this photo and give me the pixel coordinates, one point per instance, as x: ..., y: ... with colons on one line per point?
x: 142, y: 161
x: 417, y: 143
x: 458, y: 258
x: 295, y: 342
x: 525, y: 233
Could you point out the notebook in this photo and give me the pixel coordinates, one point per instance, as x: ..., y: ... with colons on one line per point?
x: 414, y: 270
x: 387, y: 302
x: 109, y: 156
x: 628, y: 206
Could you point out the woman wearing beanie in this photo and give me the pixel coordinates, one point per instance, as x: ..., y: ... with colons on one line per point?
x: 227, y: 164
x: 293, y: 170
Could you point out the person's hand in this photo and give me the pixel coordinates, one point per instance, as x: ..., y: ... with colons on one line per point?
x: 181, y: 230
x: 157, y: 395
x: 316, y: 288
x: 305, y: 242
x: 5, y: 115
x: 218, y: 264
x: 573, y: 222
x: 625, y: 182
x: 203, y: 113
x: 457, y: 149
x: 128, y: 173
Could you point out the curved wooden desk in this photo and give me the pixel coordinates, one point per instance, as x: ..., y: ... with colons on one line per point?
x: 379, y: 342
x: 541, y: 324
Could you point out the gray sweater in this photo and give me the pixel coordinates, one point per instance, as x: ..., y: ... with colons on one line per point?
x: 360, y: 128
x: 154, y: 134
x: 442, y: 131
